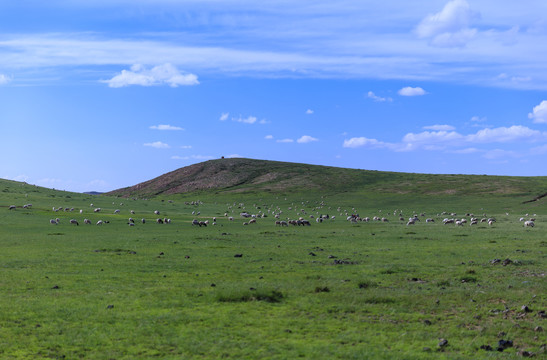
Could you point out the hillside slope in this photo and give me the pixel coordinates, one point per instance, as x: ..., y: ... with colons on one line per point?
x: 248, y: 175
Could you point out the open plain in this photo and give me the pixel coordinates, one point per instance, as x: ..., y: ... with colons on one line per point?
x: 248, y: 288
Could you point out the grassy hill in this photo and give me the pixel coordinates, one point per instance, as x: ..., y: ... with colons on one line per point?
x: 240, y: 175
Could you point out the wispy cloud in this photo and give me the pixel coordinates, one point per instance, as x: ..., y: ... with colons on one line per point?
x: 247, y: 120
x: 412, y: 91
x: 309, y: 111
x: 478, y: 119
x: 157, y: 145
x: 268, y: 137
x: 377, y: 98
x: 285, y: 141
x: 224, y: 116
x: 314, y: 39
x: 165, y: 74
x: 539, y: 113
x: 439, y: 127
x: 4, y: 79
x: 306, y: 139
x: 186, y: 147
x: 166, y: 127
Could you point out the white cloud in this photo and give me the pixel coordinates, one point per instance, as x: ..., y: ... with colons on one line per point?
x: 309, y: 111
x: 186, y: 147
x: 4, y: 79
x: 224, y: 116
x: 285, y: 141
x: 165, y: 74
x: 432, y: 137
x: 247, y: 120
x: 377, y: 98
x: 158, y: 145
x: 457, y: 39
x: 450, y: 140
x: 306, y: 139
x: 478, y: 119
x: 506, y: 134
x: 165, y: 127
x: 412, y: 91
x: 361, y: 142
x: 268, y: 137
x: 450, y: 26
x: 539, y: 113
x: 440, y: 127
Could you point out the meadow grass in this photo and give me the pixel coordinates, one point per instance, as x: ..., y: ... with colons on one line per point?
x: 331, y: 290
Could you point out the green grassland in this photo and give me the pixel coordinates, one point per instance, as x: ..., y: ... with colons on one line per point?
x: 376, y: 290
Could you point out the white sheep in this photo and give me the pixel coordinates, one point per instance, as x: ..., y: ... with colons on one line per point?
x: 74, y: 221
x: 529, y: 223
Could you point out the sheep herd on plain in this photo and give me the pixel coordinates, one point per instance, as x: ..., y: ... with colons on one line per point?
x: 301, y: 217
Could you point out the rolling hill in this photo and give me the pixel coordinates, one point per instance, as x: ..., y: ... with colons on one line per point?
x: 239, y: 175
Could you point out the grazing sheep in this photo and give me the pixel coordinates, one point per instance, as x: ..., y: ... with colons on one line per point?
x: 529, y: 223
x: 156, y: 212
x: 159, y: 221
x: 100, y: 222
x: 12, y: 207
x: 195, y: 222
x: 74, y: 221
x: 429, y: 220
x: 53, y: 222
x: 131, y: 220
x: 143, y: 220
x: 97, y: 210
x: 117, y: 211
x: 87, y: 221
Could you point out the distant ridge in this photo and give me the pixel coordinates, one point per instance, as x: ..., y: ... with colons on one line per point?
x: 250, y: 175
x: 93, y: 193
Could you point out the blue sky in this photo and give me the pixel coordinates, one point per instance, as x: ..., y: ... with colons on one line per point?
x: 98, y: 95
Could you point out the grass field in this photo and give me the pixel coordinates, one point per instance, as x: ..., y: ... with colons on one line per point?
x: 376, y: 290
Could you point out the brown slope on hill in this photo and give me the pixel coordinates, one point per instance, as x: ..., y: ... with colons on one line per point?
x: 234, y: 174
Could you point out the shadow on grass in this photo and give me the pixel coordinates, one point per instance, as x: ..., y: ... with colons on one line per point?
x: 271, y: 296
